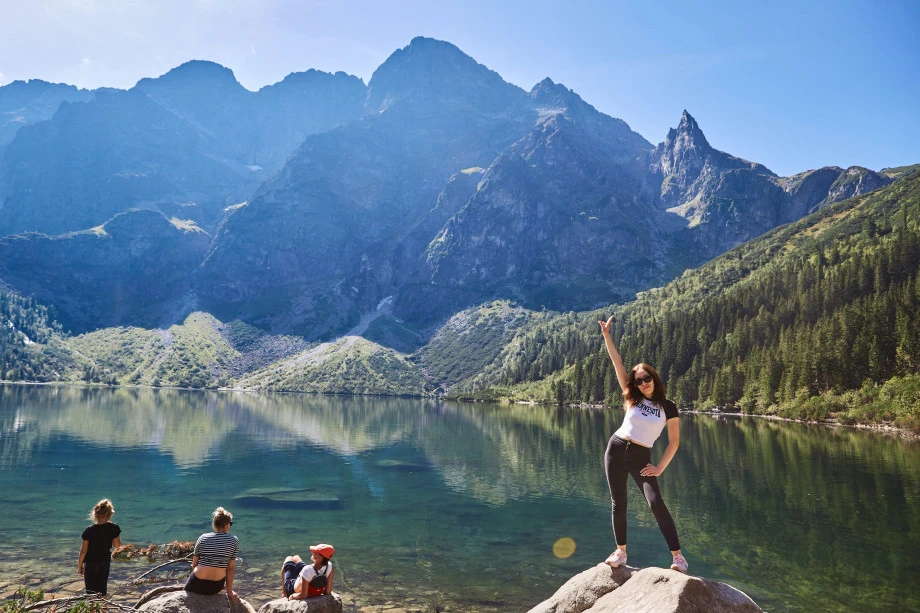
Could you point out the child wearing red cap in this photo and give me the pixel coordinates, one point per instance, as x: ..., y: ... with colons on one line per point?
x: 300, y: 580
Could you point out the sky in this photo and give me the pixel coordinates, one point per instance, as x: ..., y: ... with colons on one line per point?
x: 791, y: 85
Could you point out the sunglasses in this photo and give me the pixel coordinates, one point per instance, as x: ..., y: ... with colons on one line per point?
x: 643, y: 380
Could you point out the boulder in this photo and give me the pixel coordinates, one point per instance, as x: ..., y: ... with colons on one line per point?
x: 654, y: 590
x: 330, y: 603
x: 584, y: 589
x: 180, y: 601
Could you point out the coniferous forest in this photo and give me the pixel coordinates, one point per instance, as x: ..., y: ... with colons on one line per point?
x: 816, y: 318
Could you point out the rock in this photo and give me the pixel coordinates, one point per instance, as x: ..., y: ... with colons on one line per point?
x: 607, y: 590
x: 402, y: 466
x: 331, y: 603
x: 181, y: 601
x: 306, y: 498
x: 584, y: 589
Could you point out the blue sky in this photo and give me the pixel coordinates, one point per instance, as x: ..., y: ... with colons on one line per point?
x: 792, y: 85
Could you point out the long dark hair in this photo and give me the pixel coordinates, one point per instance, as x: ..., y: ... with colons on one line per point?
x: 632, y: 396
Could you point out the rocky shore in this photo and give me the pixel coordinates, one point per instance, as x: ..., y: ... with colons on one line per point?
x: 599, y: 589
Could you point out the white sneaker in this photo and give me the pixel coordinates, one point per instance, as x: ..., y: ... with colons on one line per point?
x: 617, y: 558
x: 679, y: 564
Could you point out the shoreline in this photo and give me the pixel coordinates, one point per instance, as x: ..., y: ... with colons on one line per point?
x: 884, y: 427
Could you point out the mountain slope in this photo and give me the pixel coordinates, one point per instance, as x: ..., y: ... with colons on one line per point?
x: 340, y: 213
x: 23, y: 103
x: 817, y: 307
x: 134, y: 269
x: 188, y: 143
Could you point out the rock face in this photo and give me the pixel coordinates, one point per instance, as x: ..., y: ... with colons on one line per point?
x: 331, y: 603
x: 328, y: 237
x: 181, y: 601
x: 134, y: 270
x: 653, y: 590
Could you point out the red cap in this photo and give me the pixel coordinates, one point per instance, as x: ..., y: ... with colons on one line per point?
x: 323, y: 549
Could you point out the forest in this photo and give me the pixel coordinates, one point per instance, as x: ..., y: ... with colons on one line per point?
x: 814, y: 319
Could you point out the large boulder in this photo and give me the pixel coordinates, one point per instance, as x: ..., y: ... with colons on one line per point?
x: 330, y: 603
x: 584, y: 589
x: 654, y: 590
x: 180, y: 601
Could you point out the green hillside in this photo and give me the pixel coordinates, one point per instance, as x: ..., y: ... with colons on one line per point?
x: 814, y: 319
x: 193, y: 354
x: 30, y: 342
x: 349, y: 365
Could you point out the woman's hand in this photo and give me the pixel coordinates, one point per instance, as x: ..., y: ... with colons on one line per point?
x: 605, y: 325
x: 650, y: 470
x: 233, y: 596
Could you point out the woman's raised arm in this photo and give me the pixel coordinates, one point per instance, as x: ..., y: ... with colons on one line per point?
x: 622, y: 376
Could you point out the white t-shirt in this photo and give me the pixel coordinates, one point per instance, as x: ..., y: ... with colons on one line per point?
x: 309, y: 571
x: 644, y: 421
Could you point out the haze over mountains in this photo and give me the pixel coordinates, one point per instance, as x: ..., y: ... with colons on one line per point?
x: 303, y: 207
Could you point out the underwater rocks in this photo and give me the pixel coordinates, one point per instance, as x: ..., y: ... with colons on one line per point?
x: 281, y: 497
x: 170, y: 551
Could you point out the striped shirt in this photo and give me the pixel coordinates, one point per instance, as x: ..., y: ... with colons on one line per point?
x: 216, y: 549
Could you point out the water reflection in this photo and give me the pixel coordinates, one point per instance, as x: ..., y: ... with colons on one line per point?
x: 799, y: 517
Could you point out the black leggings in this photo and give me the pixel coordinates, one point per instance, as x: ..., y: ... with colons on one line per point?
x: 96, y: 575
x: 626, y: 458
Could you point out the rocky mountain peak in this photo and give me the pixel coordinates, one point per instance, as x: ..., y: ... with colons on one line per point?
x: 194, y: 74
x: 430, y: 71
x: 687, y: 134
x: 552, y: 100
x: 547, y: 95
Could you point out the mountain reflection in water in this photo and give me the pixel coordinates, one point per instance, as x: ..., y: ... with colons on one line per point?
x: 452, y: 505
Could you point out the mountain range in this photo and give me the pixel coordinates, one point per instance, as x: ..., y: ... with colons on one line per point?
x: 320, y: 205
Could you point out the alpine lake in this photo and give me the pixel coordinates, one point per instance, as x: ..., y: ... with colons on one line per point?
x: 441, y: 506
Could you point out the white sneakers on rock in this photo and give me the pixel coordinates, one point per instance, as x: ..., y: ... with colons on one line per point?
x: 679, y: 563
x: 617, y: 558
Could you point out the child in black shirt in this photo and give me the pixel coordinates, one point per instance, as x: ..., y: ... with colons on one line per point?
x: 98, y: 540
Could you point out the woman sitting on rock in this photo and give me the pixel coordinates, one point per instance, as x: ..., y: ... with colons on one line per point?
x: 214, y: 558
x: 300, y: 580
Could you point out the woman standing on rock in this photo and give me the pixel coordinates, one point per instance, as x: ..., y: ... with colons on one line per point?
x: 214, y: 558
x: 629, y: 450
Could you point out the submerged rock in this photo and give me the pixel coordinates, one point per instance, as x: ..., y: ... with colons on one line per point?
x: 653, y: 590
x: 331, y: 603
x: 180, y: 601
x: 284, y: 497
x: 402, y: 466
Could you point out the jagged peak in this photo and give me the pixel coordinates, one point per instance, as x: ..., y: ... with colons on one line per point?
x: 687, y: 122
x: 547, y: 91
x: 688, y: 132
